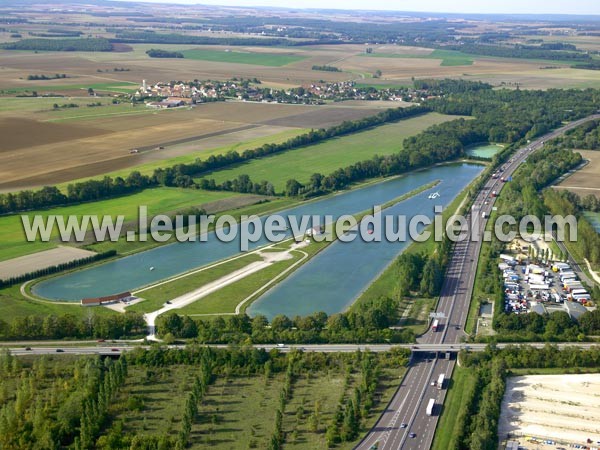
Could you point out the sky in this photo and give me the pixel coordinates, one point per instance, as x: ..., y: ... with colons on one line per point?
x: 455, y: 6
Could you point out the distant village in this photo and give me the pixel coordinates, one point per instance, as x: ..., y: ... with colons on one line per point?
x: 174, y: 94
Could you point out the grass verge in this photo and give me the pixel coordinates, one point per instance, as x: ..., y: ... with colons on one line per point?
x: 447, y: 431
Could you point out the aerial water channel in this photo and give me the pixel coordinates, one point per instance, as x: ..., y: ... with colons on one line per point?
x: 133, y: 272
x: 335, y: 277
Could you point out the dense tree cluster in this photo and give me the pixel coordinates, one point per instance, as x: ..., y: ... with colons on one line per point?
x: 84, y: 191
x: 73, y: 414
x: 446, y: 86
x: 367, y: 322
x: 352, y: 410
x: 519, y: 51
x: 150, y: 37
x: 422, y: 273
x: 54, y: 33
x: 65, y: 402
x: 118, y: 326
x: 587, y: 244
x: 47, y: 77
x: 159, y: 53
x: 61, y: 45
x: 326, y: 68
x: 584, y: 137
x: 520, y: 196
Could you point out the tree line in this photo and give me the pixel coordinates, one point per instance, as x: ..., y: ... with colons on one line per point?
x: 326, y: 68
x: 61, y: 45
x: 369, y: 322
x: 518, y: 51
x: 583, y: 137
x: 80, y: 192
x: 56, y: 76
x: 159, y: 53
x: 69, y: 326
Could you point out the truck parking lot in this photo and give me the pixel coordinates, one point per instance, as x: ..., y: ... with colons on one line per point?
x: 540, y: 287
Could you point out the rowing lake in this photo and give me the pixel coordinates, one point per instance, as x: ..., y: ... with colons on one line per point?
x: 335, y: 277
x: 133, y: 272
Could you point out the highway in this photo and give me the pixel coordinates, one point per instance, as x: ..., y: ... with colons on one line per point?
x: 409, y: 402
x: 418, y: 351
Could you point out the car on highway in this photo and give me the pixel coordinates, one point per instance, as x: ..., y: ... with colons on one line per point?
x: 403, y: 425
x: 114, y: 349
x: 28, y: 349
x: 457, y: 327
x: 413, y: 435
x: 59, y: 350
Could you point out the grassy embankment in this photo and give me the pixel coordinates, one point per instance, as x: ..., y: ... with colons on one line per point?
x: 459, y: 388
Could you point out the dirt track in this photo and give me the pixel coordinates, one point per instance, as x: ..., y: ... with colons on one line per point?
x: 40, y: 260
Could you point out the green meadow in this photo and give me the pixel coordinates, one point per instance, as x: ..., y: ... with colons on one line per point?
x: 258, y: 59
x: 330, y: 155
x: 448, y: 57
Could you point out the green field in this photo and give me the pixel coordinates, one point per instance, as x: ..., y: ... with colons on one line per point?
x: 448, y: 57
x: 452, y: 58
x: 258, y: 59
x: 13, y: 305
x: 158, y: 200
x: 328, y: 156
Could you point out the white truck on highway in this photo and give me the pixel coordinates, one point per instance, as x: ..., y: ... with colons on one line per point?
x: 430, y: 407
x: 440, y: 381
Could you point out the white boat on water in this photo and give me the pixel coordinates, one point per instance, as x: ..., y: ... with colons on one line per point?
x: 434, y: 195
x: 151, y: 268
